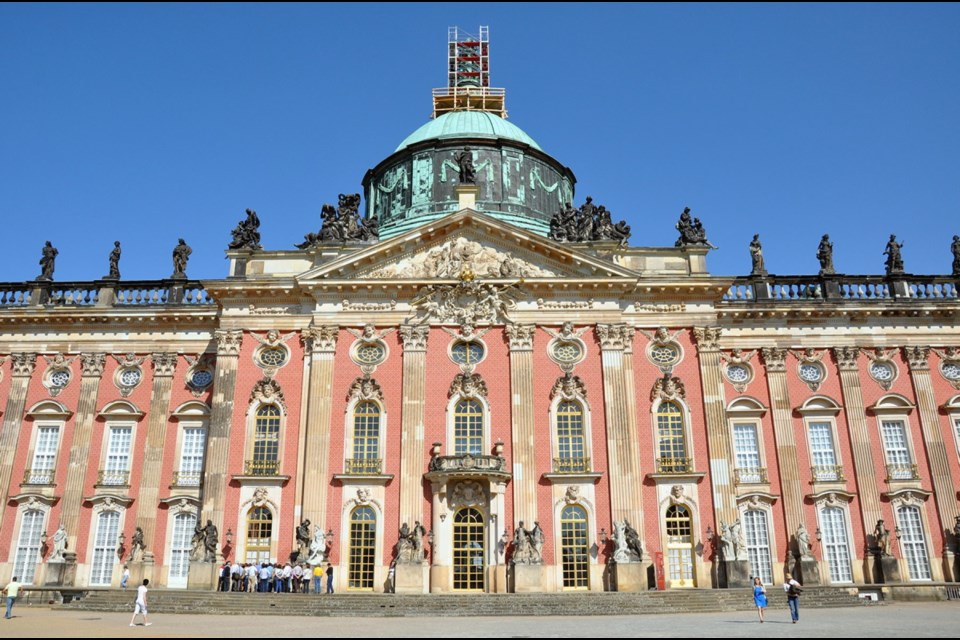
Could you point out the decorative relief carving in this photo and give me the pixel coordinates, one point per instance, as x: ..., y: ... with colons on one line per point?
x: 164, y: 364
x: 369, y: 334
x: 774, y: 359
x: 467, y: 494
x: 468, y: 385
x: 572, y: 495
x: 833, y: 499
x: 468, y: 301
x: 566, y: 305
x: 661, y: 308
x: 569, y: 387
x: 615, y: 336
x: 273, y: 338
x: 273, y: 310
x: 228, y: 341
x: 449, y: 259
x: 23, y: 364
x: 950, y: 366
x: 811, y: 369
x: 92, y: 364
x: 667, y: 388
x: 268, y: 391
x: 368, y: 306
x: 414, y: 337
x: 363, y: 495
x: 918, y: 358
x: 738, y: 361
x: 567, y: 332
x: 846, y: 357
x: 321, y: 339
x: 520, y: 336
x: 708, y: 338
x: 882, y: 368
x: 365, y: 389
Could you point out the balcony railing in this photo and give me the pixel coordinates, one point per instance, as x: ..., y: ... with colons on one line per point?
x: 674, y: 465
x: 261, y: 467
x: 750, y: 475
x: 571, y: 465
x: 107, y: 478
x: 827, y: 473
x: 363, y: 466
x: 902, y: 472
x: 186, y: 478
x: 38, y: 476
x: 812, y: 289
x: 104, y: 293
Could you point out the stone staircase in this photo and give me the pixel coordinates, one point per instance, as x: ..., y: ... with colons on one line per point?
x: 448, y: 605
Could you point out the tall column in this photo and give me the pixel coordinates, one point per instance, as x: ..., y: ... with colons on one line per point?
x: 866, y: 475
x: 92, y: 370
x: 943, y: 485
x: 623, y: 446
x: 788, y: 465
x: 23, y: 365
x: 164, y: 364
x: 411, y: 427
x: 718, y: 433
x: 321, y: 344
x: 215, y: 479
x: 520, y: 337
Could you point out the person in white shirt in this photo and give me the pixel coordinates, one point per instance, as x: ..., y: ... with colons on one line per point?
x: 141, y: 605
x: 793, y: 590
x: 252, y: 575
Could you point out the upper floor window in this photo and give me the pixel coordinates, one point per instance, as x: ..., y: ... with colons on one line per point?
x: 468, y: 427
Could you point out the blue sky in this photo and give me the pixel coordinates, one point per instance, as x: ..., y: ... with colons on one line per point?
x: 148, y: 123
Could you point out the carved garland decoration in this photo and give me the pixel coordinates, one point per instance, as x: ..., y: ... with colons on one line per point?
x: 268, y: 391
x: 468, y: 385
x: 810, y: 360
x: 886, y: 371
x: 663, y: 351
x: 468, y: 301
x: 200, y: 362
x: 738, y: 361
x: 569, y: 387
x: 364, y: 389
x: 667, y: 389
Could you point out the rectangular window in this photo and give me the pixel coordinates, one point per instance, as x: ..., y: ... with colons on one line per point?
x: 913, y: 543
x: 28, y: 546
x: 117, y: 470
x: 191, y: 456
x: 822, y: 452
x: 836, y: 549
x: 45, y: 454
x: 895, y: 449
x: 746, y: 447
x: 758, y: 544
x: 105, y: 548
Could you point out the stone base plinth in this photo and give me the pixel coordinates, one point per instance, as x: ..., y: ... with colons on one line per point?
x: 630, y: 577
x: 529, y: 578
x: 411, y: 578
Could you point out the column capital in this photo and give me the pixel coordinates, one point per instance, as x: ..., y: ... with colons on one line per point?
x: 846, y: 357
x: 164, y: 364
x: 775, y: 359
x: 708, y: 338
x: 228, y: 341
x: 92, y: 364
x: 414, y: 337
x: 615, y: 336
x: 320, y: 339
x: 23, y: 364
x: 520, y: 336
x: 918, y: 358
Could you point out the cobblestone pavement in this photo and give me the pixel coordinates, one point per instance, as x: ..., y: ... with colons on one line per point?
x: 888, y: 620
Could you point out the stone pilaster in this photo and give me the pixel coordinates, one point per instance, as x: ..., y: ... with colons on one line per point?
x: 623, y: 447
x: 22, y: 368
x: 718, y: 432
x: 148, y: 496
x: 411, y: 426
x: 944, y: 487
x: 321, y: 345
x: 865, y: 472
x: 92, y: 370
x: 775, y: 361
x: 214, y: 489
x: 523, y: 427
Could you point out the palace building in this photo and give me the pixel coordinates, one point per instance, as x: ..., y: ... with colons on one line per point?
x: 486, y: 386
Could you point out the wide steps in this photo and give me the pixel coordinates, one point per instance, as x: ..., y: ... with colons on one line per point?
x: 441, y: 605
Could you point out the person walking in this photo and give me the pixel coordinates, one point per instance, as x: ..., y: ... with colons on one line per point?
x: 329, y: 578
x: 759, y: 597
x: 793, y: 590
x: 140, y: 607
x: 10, y: 592
x: 125, y: 578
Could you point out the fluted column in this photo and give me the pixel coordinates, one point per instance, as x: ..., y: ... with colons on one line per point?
x: 623, y: 447
x: 788, y: 465
x: 148, y: 496
x: 321, y: 345
x: 22, y: 369
x: 866, y: 475
x: 215, y: 479
x: 520, y: 339
x: 411, y: 426
x: 718, y: 433
x: 943, y: 485
x: 92, y: 370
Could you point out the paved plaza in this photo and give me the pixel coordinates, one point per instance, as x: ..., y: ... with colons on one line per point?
x: 888, y: 620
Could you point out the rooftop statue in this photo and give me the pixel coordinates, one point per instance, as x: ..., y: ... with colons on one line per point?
x: 247, y: 233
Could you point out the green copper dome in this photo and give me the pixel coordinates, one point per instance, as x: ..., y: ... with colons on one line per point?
x: 468, y: 124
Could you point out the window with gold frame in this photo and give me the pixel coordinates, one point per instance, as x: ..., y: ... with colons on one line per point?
x: 363, y: 547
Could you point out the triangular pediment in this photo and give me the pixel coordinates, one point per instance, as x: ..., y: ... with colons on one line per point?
x: 489, y: 248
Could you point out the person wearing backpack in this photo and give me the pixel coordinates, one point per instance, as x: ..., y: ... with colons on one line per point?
x: 793, y: 590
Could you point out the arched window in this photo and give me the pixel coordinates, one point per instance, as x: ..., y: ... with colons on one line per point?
x: 266, y: 441
x: 836, y: 549
x: 363, y: 548
x: 574, y: 548
x: 757, y: 534
x: 259, y: 532
x: 469, y: 550
x: 468, y: 427
x: 183, y: 528
x: 671, y: 439
x: 105, y: 548
x: 571, y: 445
x: 28, y: 546
x: 913, y: 543
x: 366, y: 437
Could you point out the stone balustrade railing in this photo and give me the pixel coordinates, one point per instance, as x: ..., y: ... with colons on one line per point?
x: 103, y: 293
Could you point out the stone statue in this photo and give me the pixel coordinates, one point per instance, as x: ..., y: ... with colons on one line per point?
x: 523, y: 547
x: 343, y: 224
x: 691, y: 231
x: 404, y: 546
x: 956, y: 532
x: 181, y: 254
x: 465, y: 162
x: 894, y: 262
x: 537, y: 540
x: 318, y: 547
x: 137, y: 546
x: 955, y: 250
x: 115, y: 261
x: 627, y: 546
x: 756, y: 257
x: 211, y: 540
x: 738, y: 541
x: 59, y: 544
x: 726, y: 543
x: 881, y: 537
x: 825, y: 256
x: 587, y: 224
x: 303, y: 540
x: 197, y: 543
x: 247, y: 233
x: 48, y: 261
x: 803, y: 543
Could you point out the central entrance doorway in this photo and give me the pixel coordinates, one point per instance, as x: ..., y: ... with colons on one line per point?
x: 469, y: 550
x: 679, y: 527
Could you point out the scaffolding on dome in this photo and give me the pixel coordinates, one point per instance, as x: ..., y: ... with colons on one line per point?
x: 468, y: 76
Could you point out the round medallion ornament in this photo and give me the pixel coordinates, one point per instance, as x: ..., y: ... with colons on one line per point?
x: 200, y: 378
x: 664, y: 354
x: 373, y: 353
x: 130, y: 377
x: 59, y: 378
x: 882, y: 371
x: 272, y: 357
x: 567, y: 352
x: 738, y: 373
x: 811, y: 373
x: 951, y: 371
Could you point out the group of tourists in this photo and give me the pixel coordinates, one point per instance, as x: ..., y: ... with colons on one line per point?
x: 268, y: 577
x: 791, y: 587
